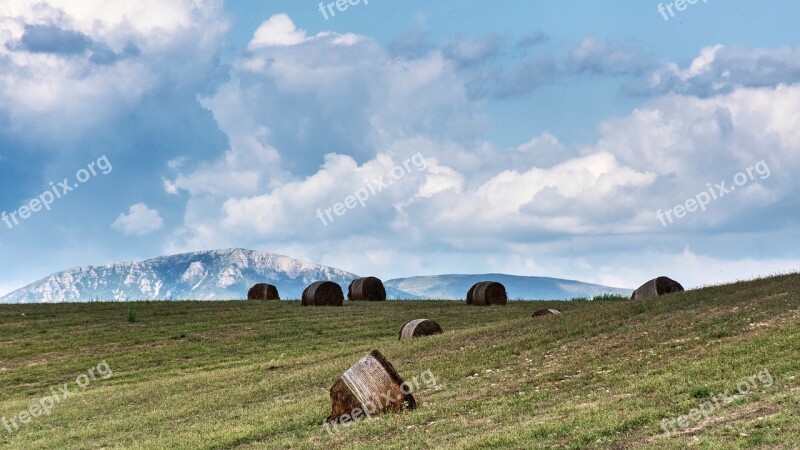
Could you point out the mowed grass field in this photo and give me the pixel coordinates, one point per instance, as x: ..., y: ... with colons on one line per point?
x: 248, y: 375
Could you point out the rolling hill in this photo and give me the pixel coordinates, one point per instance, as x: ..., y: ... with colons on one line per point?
x: 253, y: 375
x: 517, y: 287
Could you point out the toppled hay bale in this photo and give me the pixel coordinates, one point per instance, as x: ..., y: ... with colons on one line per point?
x: 370, y: 387
x: 368, y: 289
x: 419, y: 327
x: 323, y: 293
x: 263, y: 291
x: 545, y: 312
x: 656, y: 288
x: 487, y: 293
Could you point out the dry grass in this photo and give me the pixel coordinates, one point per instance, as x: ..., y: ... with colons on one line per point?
x: 256, y: 374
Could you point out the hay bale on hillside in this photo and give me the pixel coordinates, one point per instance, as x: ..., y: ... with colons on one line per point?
x: 323, y: 293
x: 367, y: 289
x: 419, y: 327
x: 656, y: 288
x: 487, y: 293
x: 370, y: 387
x: 263, y: 291
x: 471, y: 293
x: 545, y: 312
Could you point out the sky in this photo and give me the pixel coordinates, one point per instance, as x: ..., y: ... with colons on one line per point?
x: 609, y: 142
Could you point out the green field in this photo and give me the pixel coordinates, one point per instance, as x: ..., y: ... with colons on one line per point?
x: 249, y: 375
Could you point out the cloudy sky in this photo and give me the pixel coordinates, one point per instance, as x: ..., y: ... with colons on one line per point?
x: 532, y: 138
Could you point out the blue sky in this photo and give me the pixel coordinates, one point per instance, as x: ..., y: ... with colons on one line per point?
x: 552, y: 135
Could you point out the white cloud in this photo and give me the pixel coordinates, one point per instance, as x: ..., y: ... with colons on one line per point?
x: 279, y: 30
x: 139, y: 220
x: 708, y: 139
x: 560, y: 198
x: 604, y: 56
x: 721, y: 69
x: 308, y: 120
x: 117, y: 52
x: 468, y: 52
x: 290, y: 210
x: 654, y: 158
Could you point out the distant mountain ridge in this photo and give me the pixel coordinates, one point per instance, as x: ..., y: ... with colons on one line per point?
x: 207, y: 275
x: 227, y: 274
x: 517, y: 286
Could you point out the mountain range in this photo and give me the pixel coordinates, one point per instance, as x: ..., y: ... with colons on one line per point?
x: 517, y: 287
x: 228, y: 274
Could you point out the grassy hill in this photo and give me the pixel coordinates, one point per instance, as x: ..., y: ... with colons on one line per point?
x: 256, y: 375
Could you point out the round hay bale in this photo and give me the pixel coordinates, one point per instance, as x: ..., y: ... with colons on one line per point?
x: 367, y: 289
x: 471, y: 293
x: 263, y: 291
x: 656, y: 288
x: 487, y: 293
x: 323, y: 293
x: 419, y: 327
x: 370, y: 387
x: 545, y: 312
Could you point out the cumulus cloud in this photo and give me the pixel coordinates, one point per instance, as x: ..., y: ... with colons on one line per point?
x: 685, y: 136
x: 49, y: 39
x: 478, y: 198
x: 347, y: 110
x: 492, y: 68
x: 470, y: 52
x: 340, y: 93
x: 517, y: 73
x: 720, y: 70
x: 292, y: 209
x: 279, y: 30
x: 140, y: 220
x: 599, y: 56
x: 68, y: 66
x: 371, y: 110
x: 566, y: 198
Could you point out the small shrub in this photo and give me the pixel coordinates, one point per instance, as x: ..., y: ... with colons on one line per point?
x: 701, y: 392
x: 132, y: 315
x: 610, y: 298
x: 718, y: 331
